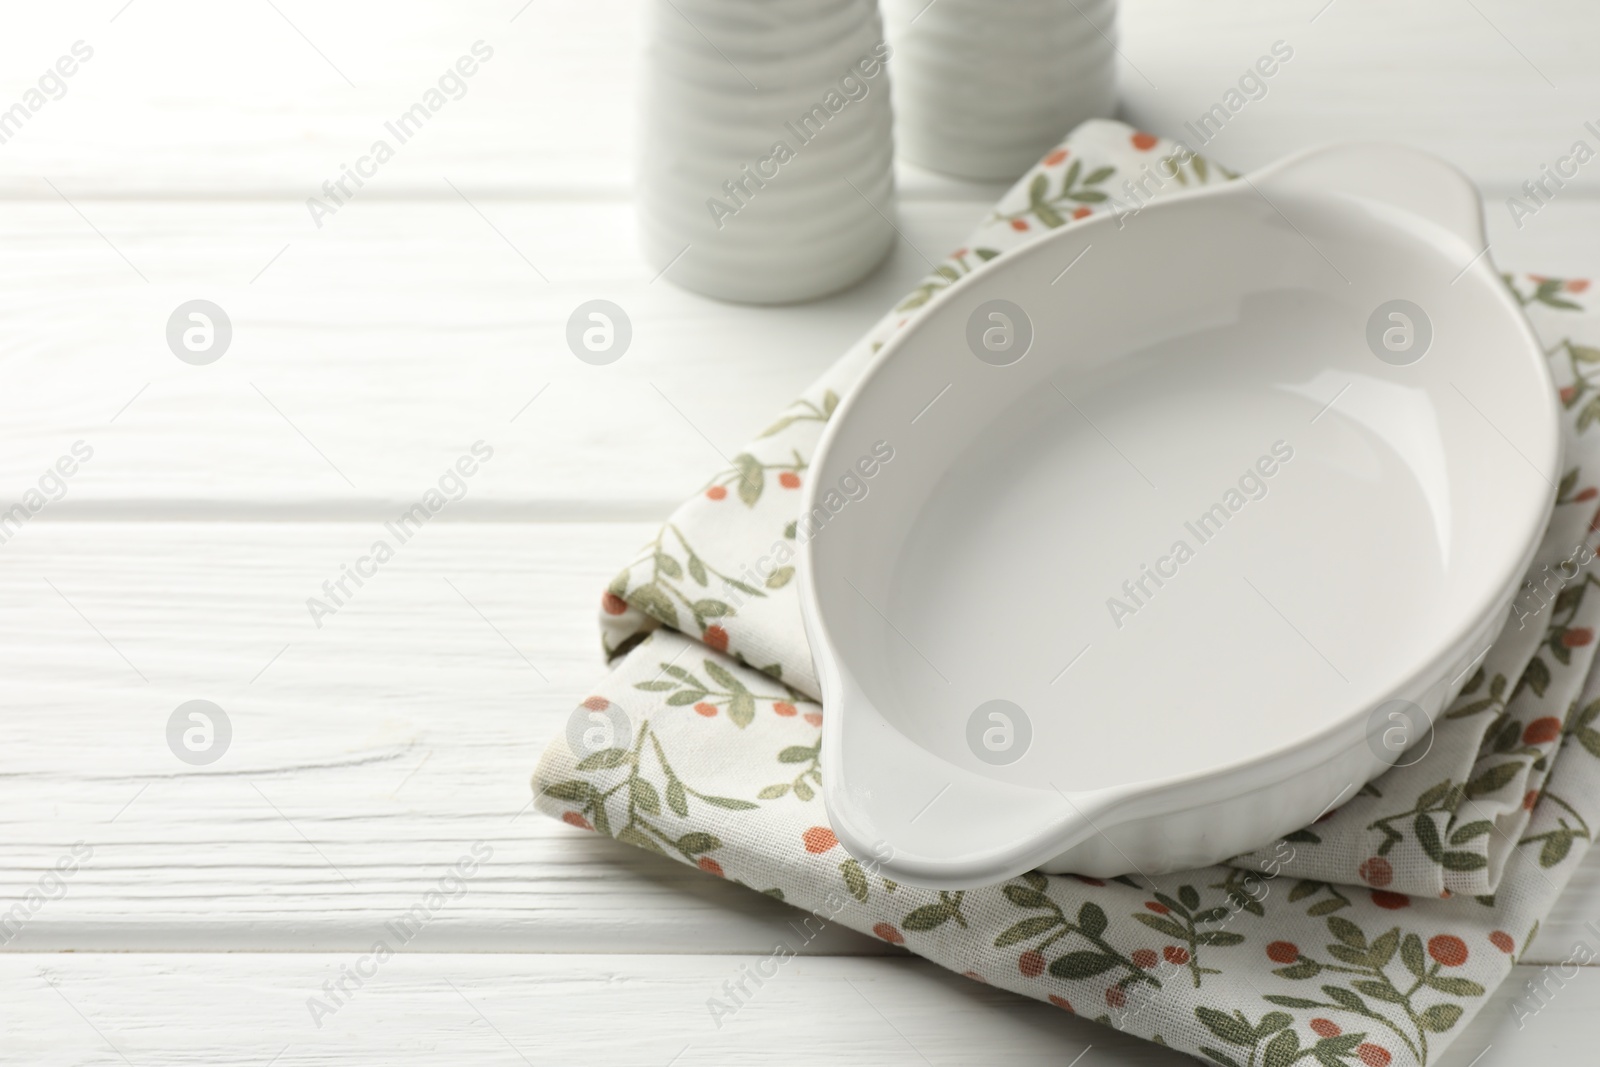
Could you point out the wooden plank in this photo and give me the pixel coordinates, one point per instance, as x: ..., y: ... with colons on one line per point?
x: 192, y: 99
x: 1494, y: 86
x: 368, y: 756
x: 368, y: 357
x: 186, y: 97
x: 91, y: 1010
x: 233, y: 100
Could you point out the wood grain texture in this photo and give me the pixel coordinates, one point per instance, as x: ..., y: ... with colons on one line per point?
x: 94, y: 1010
x: 193, y: 97
x: 369, y: 353
x: 186, y: 98
x: 1494, y: 86
x: 369, y: 356
x: 369, y: 755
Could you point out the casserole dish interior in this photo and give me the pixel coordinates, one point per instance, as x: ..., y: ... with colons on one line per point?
x: 1207, y: 523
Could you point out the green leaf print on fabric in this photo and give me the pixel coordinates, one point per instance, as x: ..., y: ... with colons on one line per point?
x: 1547, y: 291
x: 672, y: 583
x: 643, y: 798
x: 963, y: 262
x: 1365, y: 994
x: 1369, y: 966
x: 1283, y: 1046
x: 734, y: 697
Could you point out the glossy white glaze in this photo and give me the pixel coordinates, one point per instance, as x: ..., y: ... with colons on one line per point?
x: 1197, y: 533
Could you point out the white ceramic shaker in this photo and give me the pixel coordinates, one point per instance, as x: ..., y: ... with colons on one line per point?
x: 983, y: 88
x: 765, y: 167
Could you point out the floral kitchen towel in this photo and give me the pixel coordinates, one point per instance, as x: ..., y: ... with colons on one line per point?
x: 1368, y: 938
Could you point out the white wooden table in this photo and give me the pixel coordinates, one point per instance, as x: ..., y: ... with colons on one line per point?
x: 370, y: 754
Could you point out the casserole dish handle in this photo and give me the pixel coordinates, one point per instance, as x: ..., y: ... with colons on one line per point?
x: 1416, y: 182
x: 978, y: 829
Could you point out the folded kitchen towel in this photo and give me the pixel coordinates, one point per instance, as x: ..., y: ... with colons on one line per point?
x: 1370, y: 937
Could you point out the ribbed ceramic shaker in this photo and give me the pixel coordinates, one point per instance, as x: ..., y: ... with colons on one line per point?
x: 983, y: 88
x: 765, y: 163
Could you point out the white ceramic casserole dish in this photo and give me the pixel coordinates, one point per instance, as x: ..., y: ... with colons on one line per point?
x: 1314, y: 380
